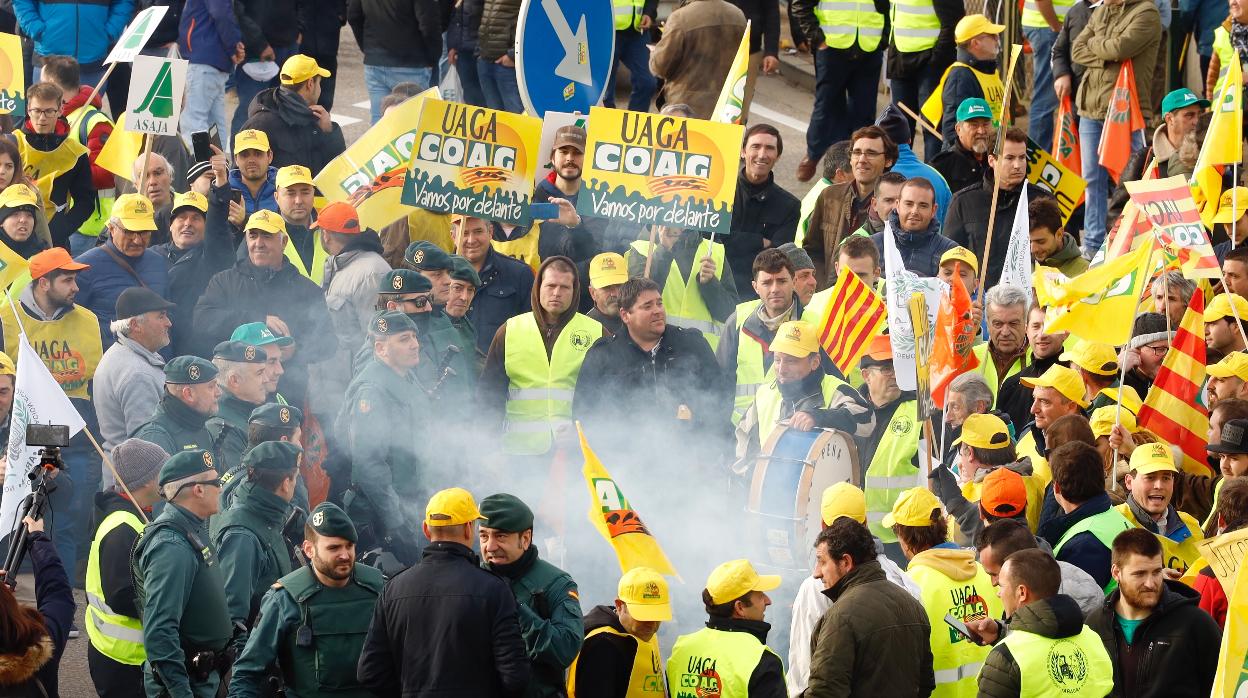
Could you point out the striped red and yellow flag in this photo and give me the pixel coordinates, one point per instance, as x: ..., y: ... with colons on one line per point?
x: 1172, y: 410
x: 853, y: 317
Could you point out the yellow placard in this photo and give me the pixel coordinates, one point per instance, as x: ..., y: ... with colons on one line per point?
x: 1049, y: 174
x: 1223, y: 554
x: 12, y: 75
x: 664, y: 170
x: 474, y: 161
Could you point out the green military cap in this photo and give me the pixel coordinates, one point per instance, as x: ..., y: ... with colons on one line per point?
x: 404, y: 281
x: 185, y: 464
x: 329, y: 520
x: 238, y: 351
x: 389, y: 322
x: 258, y: 334
x: 275, y: 414
x: 505, y: 512
x: 273, y: 455
x: 189, y: 370
x: 461, y: 270
x: 426, y: 256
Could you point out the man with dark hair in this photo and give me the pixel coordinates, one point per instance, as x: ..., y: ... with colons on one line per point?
x: 764, y: 215
x: 1083, y: 533
x: 300, y: 131
x: 1232, y: 516
x: 1051, y: 245
x: 835, y: 171
x: 858, y: 255
x: 269, y: 422
x: 1149, y: 505
x: 1235, y: 271
x: 1160, y: 642
x: 1002, y: 538
x: 47, y: 149
x: 883, y: 204
x: 506, y: 284
x: 916, y: 228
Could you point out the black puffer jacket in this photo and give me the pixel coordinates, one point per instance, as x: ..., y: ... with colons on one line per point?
x: 272, y: 23
x: 190, y: 270
x: 399, y: 32
x: 1055, y: 618
x: 294, y: 135
x: 32, y: 671
x: 497, y: 36
x: 966, y: 223
x: 763, y: 215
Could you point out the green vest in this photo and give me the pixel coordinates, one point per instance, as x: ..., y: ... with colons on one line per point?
x: 266, y: 532
x: 891, y: 471
x: 844, y: 22
x: 767, y: 405
x: 1069, y: 667
x: 539, y: 393
x: 205, y: 619
x: 1033, y: 18
x: 87, y: 118
x: 751, y: 363
x: 1105, y: 526
x: 915, y: 25
x: 627, y: 14
x: 682, y: 298
x: 116, y: 636
x: 339, y: 620
x: 713, y: 663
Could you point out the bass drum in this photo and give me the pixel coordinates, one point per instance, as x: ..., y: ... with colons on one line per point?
x: 786, y: 491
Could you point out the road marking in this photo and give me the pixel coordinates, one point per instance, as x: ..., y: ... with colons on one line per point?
x: 363, y: 105
x: 342, y: 120
x: 771, y: 115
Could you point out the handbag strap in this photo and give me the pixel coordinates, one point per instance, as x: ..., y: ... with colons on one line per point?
x: 121, y: 262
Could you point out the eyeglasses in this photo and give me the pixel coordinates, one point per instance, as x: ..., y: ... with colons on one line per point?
x: 215, y: 482
x: 134, y: 233
x: 866, y: 153
x: 1158, y: 351
x: 44, y: 113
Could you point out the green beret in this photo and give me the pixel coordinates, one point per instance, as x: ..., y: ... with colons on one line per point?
x: 189, y: 370
x: 404, y: 281
x: 389, y: 322
x: 185, y: 464
x: 273, y: 455
x: 238, y: 351
x: 329, y: 520
x: 423, y: 255
x: 461, y: 270
x: 277, y: 415
x: 505, y: 512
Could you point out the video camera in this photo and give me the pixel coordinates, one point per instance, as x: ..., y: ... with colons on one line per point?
x: 50, y: 438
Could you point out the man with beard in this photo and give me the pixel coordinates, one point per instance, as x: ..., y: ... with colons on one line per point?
x: 253, y: 175
x: 764, y: 215
x: 578, y: 242
x: 916, y: 229
x: 332, y: 596
x: 295, y: 194
x: 962, y: 161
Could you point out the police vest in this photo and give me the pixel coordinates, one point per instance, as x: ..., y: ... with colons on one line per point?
x: 1068, y: 667
x: 645, y: 676
x: 319, y: 256
x: 69, y: 345
x: 627, y: 14
x: 767, y: 404
x: 267, y: 534
x: 1033, y: 18
x: 989, y: 83
x: 524, y: 248
x: 1105, y: 526
x: 539, y: 393
x: 205, y: 621
x: 682, y: 298
x: 1179, y: 545
x: 955, y: 660
x: 751, y: 363
x: 338, y: 619
x: 892, y: 471
x: 87, y: 118
x: 844, y: 22
x: 713, y: 662
x: 915, y: 25
x: 116, y: 636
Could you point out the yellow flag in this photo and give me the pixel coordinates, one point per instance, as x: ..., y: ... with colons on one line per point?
x: 121, y: 150
x: 11, y: 266
x: 732, y: 96
x: 1224, y: 143
x: 1231, y: 680
x: 1099, y: 304
x: 615, y: 519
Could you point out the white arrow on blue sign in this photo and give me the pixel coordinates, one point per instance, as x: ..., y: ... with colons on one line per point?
x: 564, y: 53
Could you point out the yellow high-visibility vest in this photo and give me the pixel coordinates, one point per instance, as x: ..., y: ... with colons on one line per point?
x: 539, y: 395
x: 682, y: 298
x: 892, y: 471
x: 989, y: 83
x: 1068, y: 667
x: 915, y: 25
x: 645, y: 678
x: 118, y: 637
x: 955, y: 660
x: 845, y: 22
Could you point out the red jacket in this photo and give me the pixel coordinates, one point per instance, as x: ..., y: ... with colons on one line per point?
x: 1212, y: 595
x: 96, y: 138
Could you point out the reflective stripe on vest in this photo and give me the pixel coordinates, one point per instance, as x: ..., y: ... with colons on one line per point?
x: 955, y: 660
x: 115, y: 636
x: 645, y: 677
x: 682, y: 298
x: 989, y: 83
x: 1033, y: 18
x: 104, y: 205
x: 915, y: 25
x: 713, y: 663
x: 751, y: 363
x: 1226, y: 53
x: 627, y: 14
x: 767, y: 406
x: 891, y: 470
x: 319, y: 256
x: 541, y: 388
x: 1060, y: 668
x: 844, y: 22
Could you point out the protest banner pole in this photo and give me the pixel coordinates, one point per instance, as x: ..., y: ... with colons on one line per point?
x: 996, y: 181
x: 1234, y: 201
x: 1165, y: 283
x: 920, y: 121
x: 650, y: 251
x: 116, y: 477
x: 95, y: 92
x: 1111, y: 479
x: 147, y: 155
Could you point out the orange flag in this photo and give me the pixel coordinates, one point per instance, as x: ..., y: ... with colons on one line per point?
x: 955, y: 334
x: 1122, y: 118
x: 1066, y: 137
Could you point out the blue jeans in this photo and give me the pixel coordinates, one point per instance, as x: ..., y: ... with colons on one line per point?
x: 845, y: 93
x: 79, y: 243
x: 1043, y: 98
x: 469, y: 80
x: 630, y: 49
x: 498, y: 84
x: 380, y: 79
x: 204, y: 103
x: 913, y: 92
x: 1096, y: 206
x: 248, y: 88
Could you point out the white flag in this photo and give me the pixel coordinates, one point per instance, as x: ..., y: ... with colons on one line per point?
x: 1017, y: 268
x: 37, y: 399
x: 903, y: 283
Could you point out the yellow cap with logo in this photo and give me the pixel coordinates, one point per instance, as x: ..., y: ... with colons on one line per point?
x: 251, y: 139
x: 1066, y: 381
x: 972, y: 26
x: 607, y: 269
x: 191, y: 199
x: 732, y: 580
x: 16, y: 195
x: 294, y: 174
x: 1103, y: 419
x: 452, y: 507
x: 796, y: 338
x: 913, y: 507
x: 135, y: 212
x: 1152, y: 458
x: 266, y: 221
x: 843, y: 499
x: 1092, y: 357
x: 1220, y: 307
x: 1233, y: 364
x: 299, y: 68
x: 984, y: 431
x: 960, y: 254
x: 1126, y: 395
x: 1231, y: 203
x: 645, y: 591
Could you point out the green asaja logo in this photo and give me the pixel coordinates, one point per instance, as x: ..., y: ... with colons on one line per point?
x: 135, y: 39
x: 158, y: 102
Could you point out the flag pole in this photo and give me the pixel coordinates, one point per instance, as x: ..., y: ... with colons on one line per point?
x: 920, y: 121
x: 147, y: 156
x: 1165, y: 283
x: 1122, y: 377
x: 1234, y: 200
x: 996, y: 181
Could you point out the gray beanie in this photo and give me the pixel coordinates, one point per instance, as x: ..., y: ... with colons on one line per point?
x: 1149, y: 328
x: 138, y: 462
x: 797, y: 256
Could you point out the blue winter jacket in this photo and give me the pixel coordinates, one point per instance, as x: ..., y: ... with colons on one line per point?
x: 920, y: 252
x: 99, y: 286
x: 268, y: 193
x: 85, y: 30
x: 209, y: 33
x: 909, y: 165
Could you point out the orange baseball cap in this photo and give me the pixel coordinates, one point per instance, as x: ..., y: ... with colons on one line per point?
x: 1004, y: 493
x: 339, y: 217
x: 51, y: 260
x: 881, y: 349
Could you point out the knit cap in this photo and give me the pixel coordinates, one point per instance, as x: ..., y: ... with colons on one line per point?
x: 138, y: 462
x: 1149, y: 328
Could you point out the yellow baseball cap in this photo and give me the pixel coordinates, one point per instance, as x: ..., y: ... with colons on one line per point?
x: 607, y: 269
x: 1232, y: 201
x: 968, y: 28
x: 984, y: 431
x: 266, y: 221
x: 294, y: 174
x: 913, y: 507
x: 7, y: 367
x: 1234, y: 364
x: 1066, y: 381
x: 1092, y: 357
x: 1152, y: 458
x: 1220, y: 307
x: 1126, y: 395
x: 843, y: 499
x: 960, y: 254
x: 1103, y: 420
x: 135, y: 211
x: 191, y: 199
x: 732, y: 580
x: 796, y: 338
x: 646, y: 593
x: 299, y: 68
x: 251, y: 139
x: 452, y: 507
x: 17, y: 195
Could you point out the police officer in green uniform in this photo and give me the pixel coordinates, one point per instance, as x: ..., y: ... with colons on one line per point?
x: 465, y: 282
x: 412, y: 293
x: 548, y: 606
x: 389, y: 461
x: 241, y: 373
x: 186, y: 626
x: 271, y: 421
x: 190, y: 399
x: 434, y: 264
x: 313, y: 621
x: 248, y: 535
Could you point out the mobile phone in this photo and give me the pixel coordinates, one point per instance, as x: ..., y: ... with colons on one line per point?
x: 201, y: 144
x: 960, y: 627
x: 544, y: 212
x: 238, y: 196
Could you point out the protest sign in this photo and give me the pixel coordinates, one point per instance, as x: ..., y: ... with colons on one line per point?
x: 155, y: 99
x: 136, y: 35
x: 903, y: 284
x: 1047, y: 173
x: 12, y: 75
x: 1168, y: 205
x: 1017, y: 268
x: 663, y: 170
x: 474, y: 161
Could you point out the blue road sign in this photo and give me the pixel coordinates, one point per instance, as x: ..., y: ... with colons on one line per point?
x: 564, y: 52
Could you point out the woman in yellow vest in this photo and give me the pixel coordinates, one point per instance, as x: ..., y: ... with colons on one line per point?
x: 974, y: 74
x: 1148, y: 506
x: 621, y: 657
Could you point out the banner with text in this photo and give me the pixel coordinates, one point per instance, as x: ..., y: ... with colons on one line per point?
x: 662, y: 170
x: 1047, y: 173
x: 1169, y: 206
x: 12, y: 75
x: 474, y: 161
x: 155, y: 99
